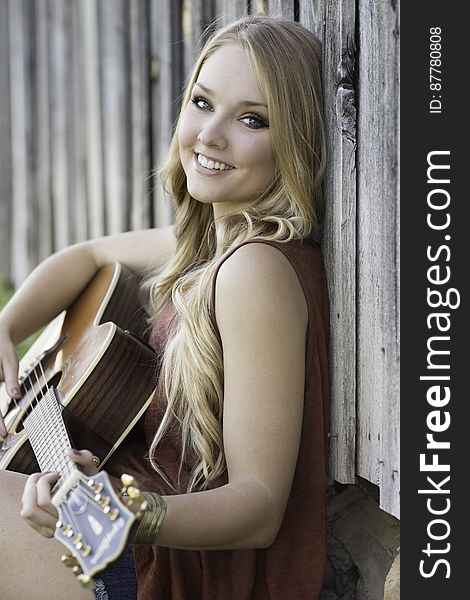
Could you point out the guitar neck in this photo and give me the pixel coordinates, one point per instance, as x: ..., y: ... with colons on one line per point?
x: 48, y: 436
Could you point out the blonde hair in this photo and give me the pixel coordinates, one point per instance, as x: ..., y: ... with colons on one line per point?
x: 286, y: 58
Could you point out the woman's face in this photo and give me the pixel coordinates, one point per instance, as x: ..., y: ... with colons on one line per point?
x: 224, y: 137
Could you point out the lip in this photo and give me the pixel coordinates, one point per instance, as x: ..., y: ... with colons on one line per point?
x: 210, y: 172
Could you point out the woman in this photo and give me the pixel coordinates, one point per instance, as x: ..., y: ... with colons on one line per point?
x: 235, y: 433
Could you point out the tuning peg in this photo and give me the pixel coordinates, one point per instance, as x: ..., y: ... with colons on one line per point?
x: 84, y: 550
x: 86, y: 580
x: 134, y: 493
x: 127, y: 480
x: 68, y: 531
x: 102, y: 500
x: 69, y: 560
x: 112, y: 513
x: 96, y: 487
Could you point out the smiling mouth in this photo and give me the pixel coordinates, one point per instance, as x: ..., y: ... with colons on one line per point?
x: 211, y: 164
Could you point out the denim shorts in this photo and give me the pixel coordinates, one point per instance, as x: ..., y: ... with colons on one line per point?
x: 119, y: 581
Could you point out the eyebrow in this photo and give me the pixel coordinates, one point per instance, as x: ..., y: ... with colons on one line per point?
x: 243, y: 102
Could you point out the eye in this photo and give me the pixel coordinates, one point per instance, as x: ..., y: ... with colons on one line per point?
x: 200, y: 103
x: 254, y: 122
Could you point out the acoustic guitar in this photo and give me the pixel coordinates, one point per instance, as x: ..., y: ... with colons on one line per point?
x: 94, y: 359
x: 94, y: 520
x: 89, y: 378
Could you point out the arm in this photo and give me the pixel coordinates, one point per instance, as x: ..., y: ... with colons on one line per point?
x: 262, y: 316
x: 66, y: 273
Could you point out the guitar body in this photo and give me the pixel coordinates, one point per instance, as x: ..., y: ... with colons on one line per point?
x: 101, y: 370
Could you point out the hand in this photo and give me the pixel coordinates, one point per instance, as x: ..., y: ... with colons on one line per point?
x: 37, y: 508
x: 8, y: 372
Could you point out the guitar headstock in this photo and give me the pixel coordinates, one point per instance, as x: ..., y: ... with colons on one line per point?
x: 94, y: 523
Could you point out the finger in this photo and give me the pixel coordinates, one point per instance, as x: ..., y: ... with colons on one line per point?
x: 3, y: 429
x: 85, y: 459
x: 37, y: 518
x: 43, y: 494
x: 10, y: 373
x: 30, y: 486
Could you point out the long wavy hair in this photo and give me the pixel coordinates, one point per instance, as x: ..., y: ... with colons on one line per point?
x: 286, y: 58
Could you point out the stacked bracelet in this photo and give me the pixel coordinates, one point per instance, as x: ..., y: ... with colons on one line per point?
x: 151, y: 520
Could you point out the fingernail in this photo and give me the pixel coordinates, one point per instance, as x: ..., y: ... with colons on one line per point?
x: 15, y: 391
x: 76, y: 452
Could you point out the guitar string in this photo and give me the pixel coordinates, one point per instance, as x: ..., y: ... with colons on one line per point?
x: 33, y: 416
x: 60, y: 438
x: 62, y: 442
x: 41, y: 423
x: 41, y: 416
x: 40, y: 413
x: 40, y: 410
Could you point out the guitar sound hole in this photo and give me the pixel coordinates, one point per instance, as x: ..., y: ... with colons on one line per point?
x: 33, y: 396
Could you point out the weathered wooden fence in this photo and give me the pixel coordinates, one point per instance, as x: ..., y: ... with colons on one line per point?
x: 89, y: 91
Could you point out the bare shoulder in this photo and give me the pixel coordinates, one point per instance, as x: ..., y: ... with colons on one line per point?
x: 259, y: 278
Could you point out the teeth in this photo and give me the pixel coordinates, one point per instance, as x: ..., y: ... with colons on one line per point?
x: 210, y: 164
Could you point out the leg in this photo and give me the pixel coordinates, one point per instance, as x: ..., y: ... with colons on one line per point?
x: 30, y: 565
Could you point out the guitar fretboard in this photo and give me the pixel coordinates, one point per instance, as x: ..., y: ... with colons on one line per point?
x: 48, y: 435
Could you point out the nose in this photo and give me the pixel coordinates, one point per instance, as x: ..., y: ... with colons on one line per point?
x: 213, y: 133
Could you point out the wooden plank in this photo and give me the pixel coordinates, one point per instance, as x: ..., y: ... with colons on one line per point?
x: 77, y: 152
x: 5, y: 146
x: 312, y: 16
x: 231, y: 10
x: 167, y: 80
x: 197, y: 25
x: 140, y: 114
x: 390, y: 476
x: 113, y: 35
x: 58, y: 68
x: 339, y: 243
x: 259, y: 7
x: 42, y: 146
x: 88, y: 17
x: 282, y: 8
x: 20, y: 132
x: 378, y: 291
x: 191, y: 29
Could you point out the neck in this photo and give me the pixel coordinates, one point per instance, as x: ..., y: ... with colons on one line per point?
x: 48, y: 436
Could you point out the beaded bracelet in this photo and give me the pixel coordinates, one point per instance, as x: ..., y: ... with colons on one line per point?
x: 152, y: 519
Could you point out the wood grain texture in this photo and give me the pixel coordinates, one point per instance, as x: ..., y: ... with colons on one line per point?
x: 166, y: 86
x: 339, y: 244
x: 20, y: 49
x: 42, y: 158
x: 5, y: 146
x: 230, y: 10
x: 139, y: 54
x: 88, y: 22
x: 59, y: 60
x: 378, y: 287
x: 115, y: 112
x: 77, y: 149
x: 281, y: 8
x: 312, y: 16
